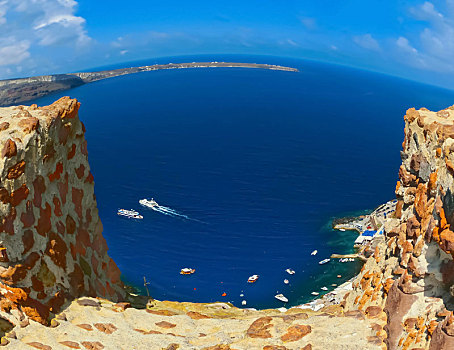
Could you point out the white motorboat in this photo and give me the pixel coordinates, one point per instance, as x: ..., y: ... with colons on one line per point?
x: 253, y: 279
x: 243, y: 302
x: 314, y: 252
x: 315, y: 293
x: 324, y: 288
x: 324, y: 261
x: 132, y: 214
x: 128, y: 212
x: 286, y: 281
x: 290, y: 271
x: 281, y: 297
x: 150, y: 203
x: 187, y: 271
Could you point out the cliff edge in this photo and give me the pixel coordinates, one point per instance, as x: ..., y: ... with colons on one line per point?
x: 51, y: 245
x: 410, y: 278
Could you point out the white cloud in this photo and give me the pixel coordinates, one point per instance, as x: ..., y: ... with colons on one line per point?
x: 3, y: 5
x: 366, y: 41
x: 44, y: 31
x: 13, y: 52
x: 433, y: 46
x: 404, y: 44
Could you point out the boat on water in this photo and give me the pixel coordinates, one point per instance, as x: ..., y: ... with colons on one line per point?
x: 132, y: 214
x: 187, y: 271
x: 150, y: 203
x: 315, y: 293
x: 324, y: 288
x: 314, y: 252
x: 324, y: 261
x: 286, y: 281
x: 290, y: 271
x: 253, y: 279
x: 281, y: 297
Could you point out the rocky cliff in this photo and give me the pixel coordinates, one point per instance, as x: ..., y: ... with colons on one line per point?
x: 409, y: 282
x: 51, y: 244
x: 52, y: 250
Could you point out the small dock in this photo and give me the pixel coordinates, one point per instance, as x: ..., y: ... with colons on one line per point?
x: 348, y: 256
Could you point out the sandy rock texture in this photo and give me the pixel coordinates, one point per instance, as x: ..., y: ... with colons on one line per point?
x: 170, y: 325
x: 51, y: 244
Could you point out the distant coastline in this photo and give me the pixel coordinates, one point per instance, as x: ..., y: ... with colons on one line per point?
x: 15, y: 91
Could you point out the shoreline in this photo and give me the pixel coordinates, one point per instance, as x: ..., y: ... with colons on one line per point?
x: 14, y: 91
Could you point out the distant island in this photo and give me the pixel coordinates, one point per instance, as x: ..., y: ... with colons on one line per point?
x: 13, y: 91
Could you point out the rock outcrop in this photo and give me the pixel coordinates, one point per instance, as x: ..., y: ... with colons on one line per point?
x: 51, y: 245
x: 410, y: 278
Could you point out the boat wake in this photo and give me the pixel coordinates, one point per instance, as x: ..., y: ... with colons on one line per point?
x: 166, y: 210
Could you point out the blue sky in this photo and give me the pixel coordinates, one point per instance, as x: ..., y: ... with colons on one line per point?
x: 411, y: 39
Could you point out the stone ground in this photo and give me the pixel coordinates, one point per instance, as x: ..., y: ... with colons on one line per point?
x: 97, y: 324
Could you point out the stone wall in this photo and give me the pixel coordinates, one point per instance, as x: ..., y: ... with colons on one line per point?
x: 409, y: 281
x: 51, y: 243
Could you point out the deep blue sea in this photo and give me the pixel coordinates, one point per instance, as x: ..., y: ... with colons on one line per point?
x: 260, y: 161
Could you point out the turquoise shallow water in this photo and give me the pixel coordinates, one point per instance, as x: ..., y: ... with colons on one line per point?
x: 261, y: 160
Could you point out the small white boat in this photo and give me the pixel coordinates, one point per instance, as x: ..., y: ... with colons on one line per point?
x: 314, y: 252
x: 315, y: 293
x: 243, y: 302
x: 351, y: 259
x: 150, y: 203
x: 132, y: 214
x: 342, y: 229
x: 187, y: 271
x: 241, y: 295
x: 324, y: 288
x: 281, y: 297
x: 253, y: 279
x: 290, y: 271
x: 324, y: 261
x: 286, y: 281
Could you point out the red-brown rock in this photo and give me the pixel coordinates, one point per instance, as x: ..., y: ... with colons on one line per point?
x: 70, y: 344
x: 259, y: 328
x: 165, y: 324
x: 40, y: 346
x: 295, y: 333
x: 107, y: 328
x: 27, y: 217
x: 4, y: 126
x: 56, y: 249
x: 72, y: 152
x: 57, y: 173
x: 28, y: 241
x: 16, y: 170
x: 19, y: 195
x: 92, y: 345
x: 44, y: 224
x: 40, y: 187
x: 9, y: 149
x: 80, y: 171
x: 77, y: 196
x: 29, y: 124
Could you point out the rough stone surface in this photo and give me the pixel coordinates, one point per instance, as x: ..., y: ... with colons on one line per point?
x: 39, y: 223
x: 411, y: 274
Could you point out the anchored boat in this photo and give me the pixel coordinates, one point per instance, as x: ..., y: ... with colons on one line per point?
x: 281, y: 297
x: 187, y: 271
x: 253, y: 279
x: 324, y: 261
x: 290, y: 271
